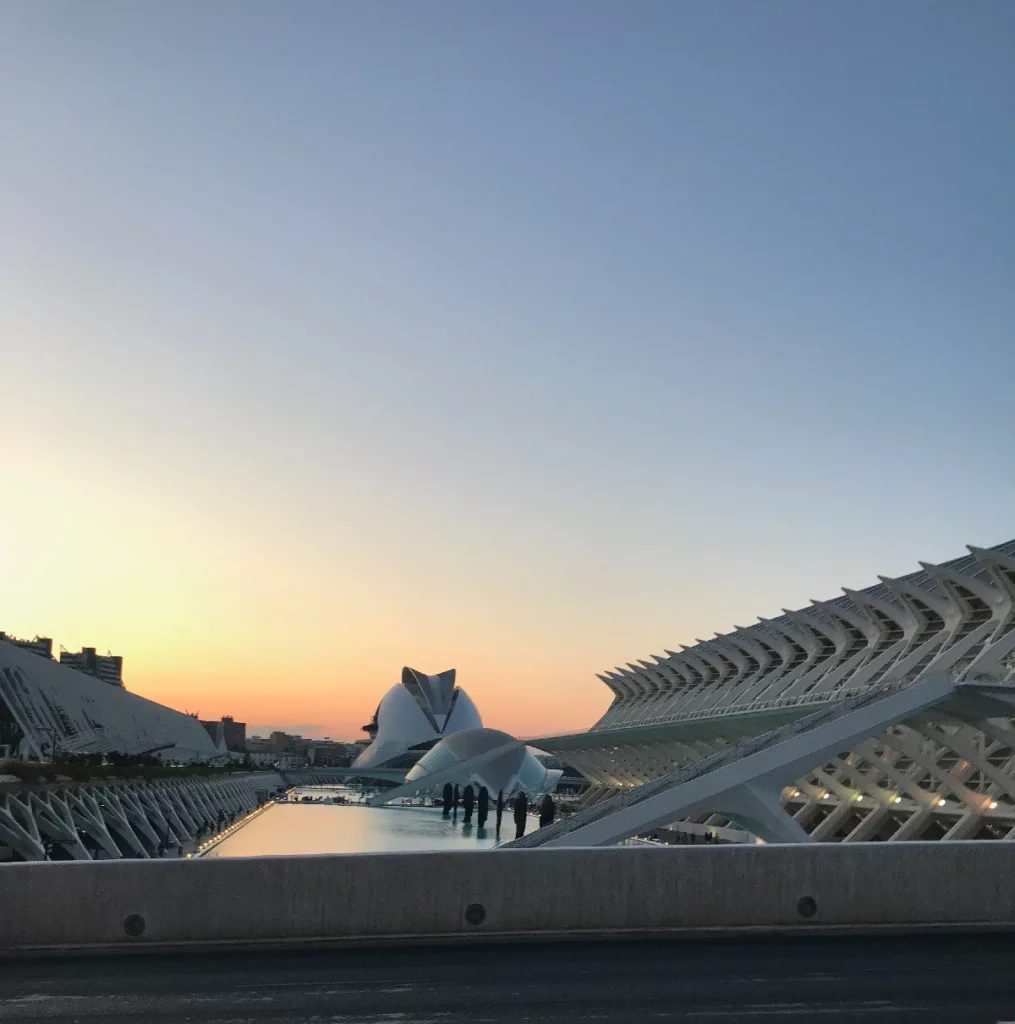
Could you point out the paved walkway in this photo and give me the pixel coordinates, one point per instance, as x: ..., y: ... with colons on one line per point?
x: 902, y: 980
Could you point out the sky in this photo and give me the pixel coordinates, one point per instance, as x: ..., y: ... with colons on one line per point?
x: 523, y: 338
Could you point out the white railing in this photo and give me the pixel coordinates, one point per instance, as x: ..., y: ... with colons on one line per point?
x: 830, y: 697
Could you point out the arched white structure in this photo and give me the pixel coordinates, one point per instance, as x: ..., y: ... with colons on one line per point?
x: 419, y: 710
x: 488, y: 758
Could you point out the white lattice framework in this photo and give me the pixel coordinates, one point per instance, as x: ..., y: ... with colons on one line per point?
x: 934, y: 776
x: 109, y: 821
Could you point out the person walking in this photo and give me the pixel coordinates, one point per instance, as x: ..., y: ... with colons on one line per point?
x: 500, y: 808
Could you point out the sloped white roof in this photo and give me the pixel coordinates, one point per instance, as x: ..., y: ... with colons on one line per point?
x: 55, y: 704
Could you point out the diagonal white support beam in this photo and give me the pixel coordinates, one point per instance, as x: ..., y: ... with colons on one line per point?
x: 870, y: 826
x: 55, y: 821
x: 87, y: 816
x: 769, y: 768
x: 18, y: 829
x: 831, y: 823
x: 759, y: 810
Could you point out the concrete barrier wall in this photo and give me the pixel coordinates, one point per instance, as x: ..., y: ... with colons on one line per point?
x: 505, y: 894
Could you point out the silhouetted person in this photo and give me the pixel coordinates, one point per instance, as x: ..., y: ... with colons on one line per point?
x: 449, y: 795
x: 546, y: 810
x: 483, y: 809
x: 521, y: 809
x: 454, y: 802
x: 500, y: 807
x: 468, y: 801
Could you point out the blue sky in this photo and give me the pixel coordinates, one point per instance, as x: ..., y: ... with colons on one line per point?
x: 528, y: 337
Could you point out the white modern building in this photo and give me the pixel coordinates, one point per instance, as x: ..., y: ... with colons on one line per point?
x: 48, y: 709
x: 482, y: 757
x: 900, y: 695
x: 413, y: 716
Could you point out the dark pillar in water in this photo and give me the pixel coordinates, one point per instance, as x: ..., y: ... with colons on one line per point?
x: 500, y: 807
x: 521, y: 809
x: 483, y: 811
x: 546, y: 810
x: 448, y: 797
x: 468, y: 801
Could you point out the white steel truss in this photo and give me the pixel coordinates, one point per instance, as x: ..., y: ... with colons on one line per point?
x: 745, y: 783
x: 112, y: 820
x: 937, y: 775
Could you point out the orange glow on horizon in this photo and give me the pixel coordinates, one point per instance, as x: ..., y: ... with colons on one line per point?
x: 228, y: 624
x: 226, y: 603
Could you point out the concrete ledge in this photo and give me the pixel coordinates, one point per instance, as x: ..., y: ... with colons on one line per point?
x: 455, y: 896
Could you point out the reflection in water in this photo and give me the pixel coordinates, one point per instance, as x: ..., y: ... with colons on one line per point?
x: 293, y: 829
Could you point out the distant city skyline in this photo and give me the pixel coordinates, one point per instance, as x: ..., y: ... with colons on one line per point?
x: 313, y: 731
x: 520, y: 339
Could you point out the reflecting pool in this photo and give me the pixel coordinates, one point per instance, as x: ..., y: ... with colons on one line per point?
x: 288, y: 829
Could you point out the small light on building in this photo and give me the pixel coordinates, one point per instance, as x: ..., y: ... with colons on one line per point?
x: 993, y: 805
x: 898, y: 799
x: 941, y: 803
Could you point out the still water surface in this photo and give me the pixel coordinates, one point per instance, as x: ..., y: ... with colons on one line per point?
x: 294, y: 829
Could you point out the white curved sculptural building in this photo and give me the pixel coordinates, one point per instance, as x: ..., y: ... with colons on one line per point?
x: 47, y: 708
x: 414, y: 715
x: 915, y: 676
x: 483, y: 757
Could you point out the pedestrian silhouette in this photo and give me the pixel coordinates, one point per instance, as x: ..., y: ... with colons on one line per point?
x: 483, y: 810
x: 468, y: 799
x: 546, y: 810
x: 448, y: 795
x: 521, y: 809
x: 500, y: 808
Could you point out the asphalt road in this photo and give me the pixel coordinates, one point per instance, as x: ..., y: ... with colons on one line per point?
x: 964, y: 979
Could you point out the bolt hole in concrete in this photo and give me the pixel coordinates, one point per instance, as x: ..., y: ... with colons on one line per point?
x: 133, y: 925
x: 807, y: 906
x: 475, y: 914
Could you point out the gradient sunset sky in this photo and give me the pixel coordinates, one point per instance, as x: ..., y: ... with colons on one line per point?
x: 528, y: 338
